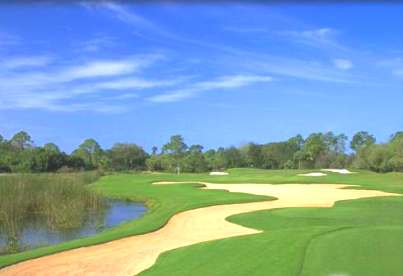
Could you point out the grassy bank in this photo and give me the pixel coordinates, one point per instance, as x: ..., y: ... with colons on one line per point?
x: 288, y: 246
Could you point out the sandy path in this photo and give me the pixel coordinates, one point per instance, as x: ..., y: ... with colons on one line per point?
x: 130, y: 256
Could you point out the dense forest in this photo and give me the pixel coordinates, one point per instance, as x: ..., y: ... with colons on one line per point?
x: 318, y: 150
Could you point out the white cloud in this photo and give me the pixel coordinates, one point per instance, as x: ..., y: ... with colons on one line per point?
x: 141, y: 26
x: 100, y: 69
x: 88, y: 70
x: 301, y: 69
x: 12, y: 63
x: 232, y: 81
x: 323, y: 38
x: 123, y: 14
x: 225, y: 82
x: 128, y: 83
x: 173, y: 96
x: 67, y: 88
x: 343, y: 64
x: 133, y: 83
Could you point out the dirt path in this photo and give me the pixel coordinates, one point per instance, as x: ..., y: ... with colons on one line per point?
x: 130, y: 256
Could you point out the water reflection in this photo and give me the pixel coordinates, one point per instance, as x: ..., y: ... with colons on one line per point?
x: 36, y: 233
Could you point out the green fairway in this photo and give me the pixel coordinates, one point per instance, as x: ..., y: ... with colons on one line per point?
x: 358, y: 237
x: 361, y: 237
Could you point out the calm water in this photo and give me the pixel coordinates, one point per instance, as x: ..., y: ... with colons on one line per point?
x: 36, y: 233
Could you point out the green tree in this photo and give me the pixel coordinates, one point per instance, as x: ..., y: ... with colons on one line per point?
x: 276, y: 155
x: 303, y: 158
x: 55, y: 159
x: 254, y: 155
x: 4, y: 156
x: 21, y: 140
x: 154, y: 163
x: 361, y: 139
x: 232, y: 158
x: 296, y: 142
x: 124, y: 156
x: 379, y: 156
x: 176, y: 150
x: 315, y: 146
x: 154, y: 150
x: 195, y: 160
x: 396, y: 147
x: 74, y: 162
x: 91, y: 152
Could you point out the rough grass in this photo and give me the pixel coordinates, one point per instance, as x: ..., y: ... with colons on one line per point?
x: 292, y: 240
x: 59, y: 200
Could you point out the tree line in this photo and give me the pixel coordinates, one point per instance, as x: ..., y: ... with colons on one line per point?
x: 318, y: 150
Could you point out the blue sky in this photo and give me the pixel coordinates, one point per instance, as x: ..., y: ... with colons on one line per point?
x: 220, y: 75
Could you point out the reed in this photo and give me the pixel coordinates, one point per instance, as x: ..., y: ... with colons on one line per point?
x: 62, y: 201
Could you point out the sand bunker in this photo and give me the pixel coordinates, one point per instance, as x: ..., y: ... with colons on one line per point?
x: 341, y: 171
x: 312, y: 174
x: 130, y: 256
x: 218, y: 173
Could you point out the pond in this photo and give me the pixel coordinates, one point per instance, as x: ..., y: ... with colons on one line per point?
x: 36, y: 233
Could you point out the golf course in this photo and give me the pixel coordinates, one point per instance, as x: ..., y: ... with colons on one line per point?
x: 237, y: 224
x: 201, y: 138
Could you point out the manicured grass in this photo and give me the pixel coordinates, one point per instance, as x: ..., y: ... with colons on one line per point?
x: 357, y: 251
x: 357, y: 237
x: 294, y: 241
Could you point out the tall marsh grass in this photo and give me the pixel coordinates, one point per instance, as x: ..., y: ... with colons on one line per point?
x: 61, y: 201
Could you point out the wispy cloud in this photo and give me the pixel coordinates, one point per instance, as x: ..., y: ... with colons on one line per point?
x: 11, y: 63
x: 61, y: 88
x: 295, y: 68
x: 232, y: 81
x: 343, y: 64
x: 121, y: 84
x: 284, y: 66
x: 99, y: 69
x: 145, y: 28
x: 173, y: 96
x: 123, y: 14
x: 324, y: 38
x: 96, y: 43
x: 225, y: 82
x: 126, y: 15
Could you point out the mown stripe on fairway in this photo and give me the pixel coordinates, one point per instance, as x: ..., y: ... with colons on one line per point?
x: 314, y: 237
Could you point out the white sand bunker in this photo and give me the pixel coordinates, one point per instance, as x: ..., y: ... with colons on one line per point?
x: 132, y: 255
x: 341, y: 171
x: 312, y: 174
x: 218, y: 173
